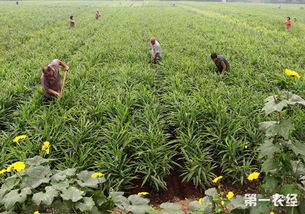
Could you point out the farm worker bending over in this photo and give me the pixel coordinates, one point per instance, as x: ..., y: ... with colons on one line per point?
x: 51, y: 79
x: 288, y: 23
x: 222, y: 65
x: 72, y: 21
x: 155, y: 50
x: 97, y: 15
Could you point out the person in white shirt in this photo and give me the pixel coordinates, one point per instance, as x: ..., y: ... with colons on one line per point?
x: 155, y: 50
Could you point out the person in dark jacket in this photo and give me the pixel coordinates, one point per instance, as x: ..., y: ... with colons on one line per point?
x: 222, y: 65
x: 97, y: 15
x: 51, y: 79
x: 72, y: 21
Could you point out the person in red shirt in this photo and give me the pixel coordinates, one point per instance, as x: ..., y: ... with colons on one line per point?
x: 288, y: 23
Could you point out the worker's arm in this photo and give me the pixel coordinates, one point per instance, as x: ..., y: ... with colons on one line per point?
x: 51, y: 91
x: 153, y: 58
x: 66, y: 68
x: 154, y: 55
x: 224, y: 67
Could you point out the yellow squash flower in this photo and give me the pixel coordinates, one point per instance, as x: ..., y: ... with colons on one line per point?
x: 217, y: 179
x: 97, y: 175
x: 18, y: 166
x: 230, y: 195
x: 36, y: 212
x: 3, y: 171
x: 272, y: 212
x: 143, y: 193
x: 222, y: 203
x: 16, y: 139
x: 200, y: 201
x: 9, y: 168
x: 292, y: 73
x: 46, y: 147
x: 253, y: 176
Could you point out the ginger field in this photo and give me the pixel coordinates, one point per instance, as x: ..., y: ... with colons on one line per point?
x: 139, y: 123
